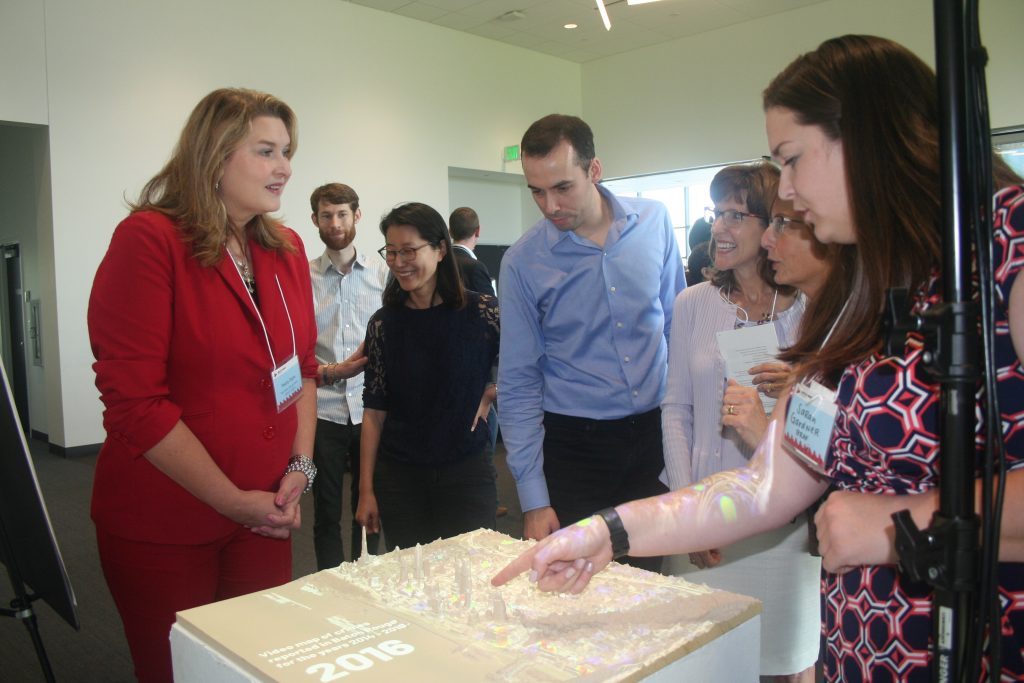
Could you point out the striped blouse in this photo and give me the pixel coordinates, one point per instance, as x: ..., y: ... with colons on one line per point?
x: 696, y: 445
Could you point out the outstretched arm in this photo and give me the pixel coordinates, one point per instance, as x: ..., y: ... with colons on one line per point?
x: 713, y: 513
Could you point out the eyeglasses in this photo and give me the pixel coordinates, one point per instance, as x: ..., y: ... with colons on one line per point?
x: 780, y: 223
x: 733, y: 217
x: 407, y: 253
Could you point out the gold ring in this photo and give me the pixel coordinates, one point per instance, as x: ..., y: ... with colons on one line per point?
x: 731, y: 409
x: 769, y: 388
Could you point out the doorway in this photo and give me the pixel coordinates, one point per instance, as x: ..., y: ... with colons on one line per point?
x: 12, y: 329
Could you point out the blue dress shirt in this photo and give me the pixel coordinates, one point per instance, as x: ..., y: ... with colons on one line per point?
x: 584, y: 328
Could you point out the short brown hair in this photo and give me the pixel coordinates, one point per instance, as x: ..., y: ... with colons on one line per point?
x: 334, y: 193
x: 545, y: 134
x: 463, y: 223
x: 755, y: 185
x: 186, y: 188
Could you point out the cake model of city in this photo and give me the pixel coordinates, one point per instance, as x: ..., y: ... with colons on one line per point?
x: 626, y: 624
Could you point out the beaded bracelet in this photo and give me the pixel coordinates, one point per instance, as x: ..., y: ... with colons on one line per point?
x: 300, y: 463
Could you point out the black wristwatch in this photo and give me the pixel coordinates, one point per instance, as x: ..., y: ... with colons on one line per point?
x: 619, y: 537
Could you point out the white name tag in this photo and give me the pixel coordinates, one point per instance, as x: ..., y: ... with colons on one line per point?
x: 287, y: 383
x: 809, y: 418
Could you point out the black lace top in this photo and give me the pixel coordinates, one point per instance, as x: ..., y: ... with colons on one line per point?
x: 428, y: 369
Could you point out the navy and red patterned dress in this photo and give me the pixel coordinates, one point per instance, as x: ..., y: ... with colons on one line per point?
x: 877, y: 623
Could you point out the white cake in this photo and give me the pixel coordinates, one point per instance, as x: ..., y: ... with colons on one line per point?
x: 430, y: 613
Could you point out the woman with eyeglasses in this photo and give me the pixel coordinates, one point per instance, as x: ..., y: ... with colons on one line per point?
x: 425, y: 472
x: 798, y: 260
x: 855, y: 125
x: 742, y: 304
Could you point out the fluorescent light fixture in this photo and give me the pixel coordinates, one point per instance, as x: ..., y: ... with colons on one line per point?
x: 604, y: 15
x: 640, y: 2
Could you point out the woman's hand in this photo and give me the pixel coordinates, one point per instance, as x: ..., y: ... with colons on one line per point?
x: 771, y: 378
x: 706, y: 558
x: 566, y: 560
x: 346, y: 369
x: 742, y: 410
x: 484, y: 409
x: 288, y: 513
x: 367, y: 513
x: 856, y: 529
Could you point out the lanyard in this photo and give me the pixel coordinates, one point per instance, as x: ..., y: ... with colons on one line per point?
x: 266, y: 335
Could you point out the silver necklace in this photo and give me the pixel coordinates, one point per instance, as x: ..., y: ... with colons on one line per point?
x: 245, y: 271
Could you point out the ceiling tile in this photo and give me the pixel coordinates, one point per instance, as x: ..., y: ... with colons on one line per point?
x: 541, y: 24
x: 419, y: 10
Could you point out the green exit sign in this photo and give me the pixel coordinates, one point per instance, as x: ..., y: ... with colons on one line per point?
x: 512, y: 153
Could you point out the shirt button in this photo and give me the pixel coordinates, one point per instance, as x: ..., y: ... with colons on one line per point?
x: 618, y: 325
x: 264, y: 383
x: 626, y: 359
x: 636, y: 393
x: 269, y: 432
x: 613, y: 289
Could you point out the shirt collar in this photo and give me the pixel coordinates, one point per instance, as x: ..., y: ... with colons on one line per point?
x: 624, y: 217
x: 464, y: 248
x: 325, y: 262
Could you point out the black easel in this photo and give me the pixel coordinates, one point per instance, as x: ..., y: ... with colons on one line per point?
x: 21, y: 608
x: 946, y: 554
x: 27, y: 545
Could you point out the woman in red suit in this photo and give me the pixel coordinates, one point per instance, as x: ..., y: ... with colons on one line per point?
x: 201, y: 322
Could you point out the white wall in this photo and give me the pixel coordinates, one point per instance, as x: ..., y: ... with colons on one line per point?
x: 22, y: 62
x: 384, y: 103
x: 696, y: 101
x: 498, y: 199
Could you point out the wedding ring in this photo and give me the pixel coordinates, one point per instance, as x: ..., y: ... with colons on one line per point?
x: 731, y: 409
x: 769, y: 388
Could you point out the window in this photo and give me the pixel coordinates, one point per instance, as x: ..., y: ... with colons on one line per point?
x: 685, y: 193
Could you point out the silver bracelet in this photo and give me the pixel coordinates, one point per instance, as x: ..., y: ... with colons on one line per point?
x: 300, y: 463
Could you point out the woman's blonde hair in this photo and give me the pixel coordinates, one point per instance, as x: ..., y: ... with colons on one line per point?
x: 186, y: 188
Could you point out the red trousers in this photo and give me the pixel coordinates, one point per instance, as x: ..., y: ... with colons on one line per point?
x: 150, y: 582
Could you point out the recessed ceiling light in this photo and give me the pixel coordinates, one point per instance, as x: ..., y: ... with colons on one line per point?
x: 571, y: 26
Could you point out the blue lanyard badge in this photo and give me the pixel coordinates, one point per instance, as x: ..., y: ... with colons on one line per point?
x: 809, y: 418
x: 287, y: 383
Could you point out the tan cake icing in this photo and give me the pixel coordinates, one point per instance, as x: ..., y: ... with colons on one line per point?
x: 430, y: 613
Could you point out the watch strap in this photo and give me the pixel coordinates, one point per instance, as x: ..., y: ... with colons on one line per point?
x: 617, y: 532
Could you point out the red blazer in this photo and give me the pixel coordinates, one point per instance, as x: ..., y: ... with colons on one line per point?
x: 177, y: 340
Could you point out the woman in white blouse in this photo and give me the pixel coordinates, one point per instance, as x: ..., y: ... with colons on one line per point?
x: 740, y: 307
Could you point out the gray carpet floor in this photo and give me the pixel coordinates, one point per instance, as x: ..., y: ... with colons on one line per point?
x: 98, y: 651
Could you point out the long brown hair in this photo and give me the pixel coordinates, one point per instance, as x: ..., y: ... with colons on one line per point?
x: 186, y: 188
x: 879, y: 100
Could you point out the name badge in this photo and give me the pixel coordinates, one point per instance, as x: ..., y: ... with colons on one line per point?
x: 809, y: 418
x: 287, y: 383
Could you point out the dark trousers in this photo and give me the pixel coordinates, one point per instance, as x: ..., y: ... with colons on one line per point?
x: 593, y: 464
x: 422, y: 503
x: 335, y: 448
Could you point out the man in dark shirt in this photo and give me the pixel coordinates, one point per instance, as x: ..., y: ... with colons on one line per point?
x: 464, y: 226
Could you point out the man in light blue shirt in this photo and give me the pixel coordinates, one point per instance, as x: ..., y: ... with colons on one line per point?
x: 347, y: 290
x: 586, y: 308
